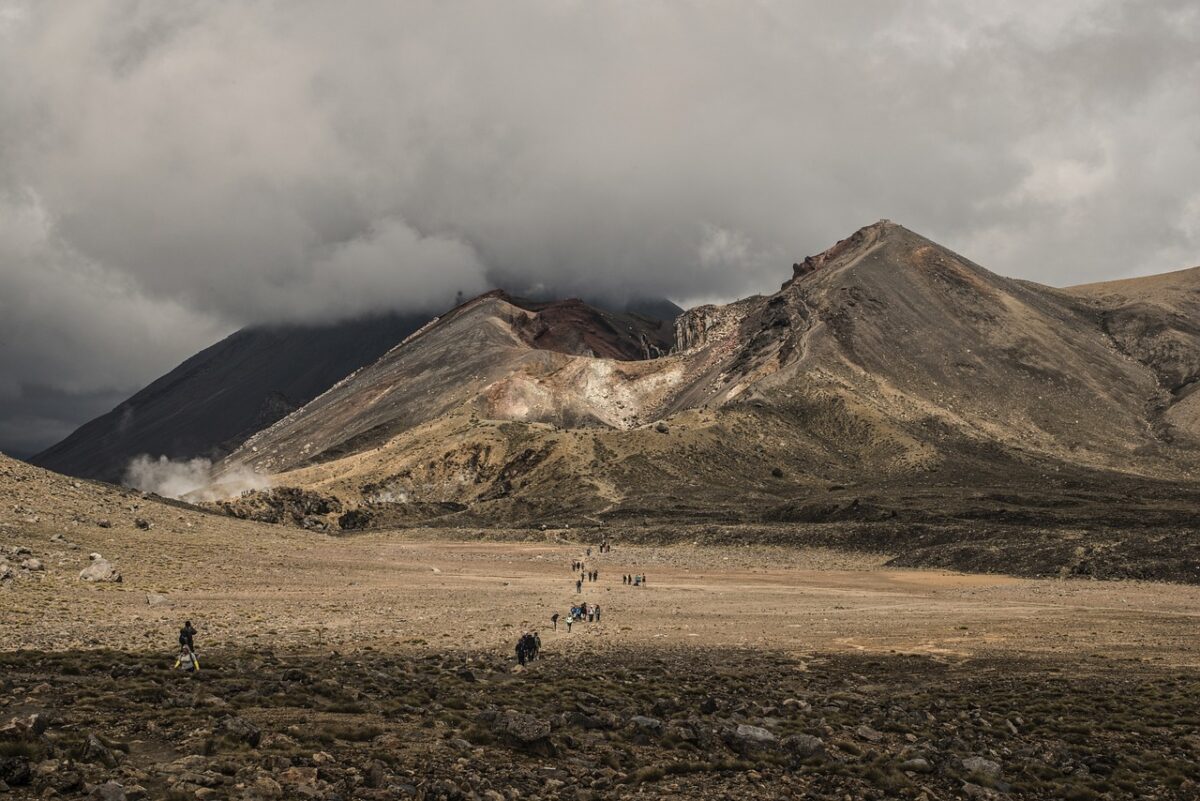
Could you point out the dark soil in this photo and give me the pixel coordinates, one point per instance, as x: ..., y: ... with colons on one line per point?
x: 611, y: 725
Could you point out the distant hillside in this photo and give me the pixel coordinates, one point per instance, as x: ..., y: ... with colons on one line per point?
x: 214, y: 400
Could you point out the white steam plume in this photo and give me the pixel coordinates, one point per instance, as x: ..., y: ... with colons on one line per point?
x: 190, y: 480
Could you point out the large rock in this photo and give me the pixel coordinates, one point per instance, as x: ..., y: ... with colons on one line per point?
x: 24, y: 728
x: 526, y: 733
x: 97, y: 752
x: 100, y: 570
x: 979, y: 766
x: 643, y: 723
x: 747, y: 739
x: 239, y: 729
x: 109, y: 791
x: 804, y: 745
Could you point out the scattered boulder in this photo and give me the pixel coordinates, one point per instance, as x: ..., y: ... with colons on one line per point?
x: 525, y: 733
x: 97, y: 752
x: 746, y: 739
x: 662, y: 427
x: 643, y: 723
x: 266, y: 788
x: 24, y: 728
x: 804, y: 745
x: 100, y: 570
x: 33, y: 565
x: 916, y: 765
x: 109, y: 791
x: 867, y: 733
x: 142, y: 523
x: 104, y: 523
x: 155, y: 599
x: 240, y: 729
x: 978, y: 766
x: 376, y: 774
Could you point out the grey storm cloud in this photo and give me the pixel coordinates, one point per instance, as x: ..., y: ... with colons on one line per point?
x: 172, y: 170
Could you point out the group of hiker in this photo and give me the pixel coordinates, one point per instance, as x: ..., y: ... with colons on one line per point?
x: 586, y: 575
x: 187, y: 661
x: 578, y: 614
x: 528, y: 647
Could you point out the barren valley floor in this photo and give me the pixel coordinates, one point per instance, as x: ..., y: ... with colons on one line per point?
x: 381, y: 666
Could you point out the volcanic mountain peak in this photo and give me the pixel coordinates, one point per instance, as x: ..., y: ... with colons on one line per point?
x: 886, y: 355
x: 568, y: 326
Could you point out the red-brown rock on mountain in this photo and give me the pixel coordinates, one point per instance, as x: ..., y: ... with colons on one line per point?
x: 887, y: 361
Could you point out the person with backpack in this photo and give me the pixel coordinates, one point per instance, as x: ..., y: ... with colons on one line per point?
x: 554, y: 620
x: 187, y: 636
x: 187, y: 660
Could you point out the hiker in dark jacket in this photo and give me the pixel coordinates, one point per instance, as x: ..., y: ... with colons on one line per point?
x: 187, y: 636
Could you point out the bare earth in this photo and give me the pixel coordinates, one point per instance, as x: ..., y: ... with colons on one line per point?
x: 381, y: 590
x: 380, y: 666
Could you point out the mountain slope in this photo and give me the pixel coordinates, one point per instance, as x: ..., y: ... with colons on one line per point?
x: 482, y: 351
x: 215, y: 399
x: 887, y: 360
x: 1156, y: 321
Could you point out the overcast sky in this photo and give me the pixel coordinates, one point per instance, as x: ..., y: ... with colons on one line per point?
x: 170, y: 171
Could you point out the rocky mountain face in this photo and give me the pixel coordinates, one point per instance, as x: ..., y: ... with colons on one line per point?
x: 1156, y: 321
x: 886, y: 362
x: 215, y: 399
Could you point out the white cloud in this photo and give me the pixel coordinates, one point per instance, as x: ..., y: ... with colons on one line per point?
x: 174, y: 169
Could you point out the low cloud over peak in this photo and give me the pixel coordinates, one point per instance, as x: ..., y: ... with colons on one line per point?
x: 170, y: 171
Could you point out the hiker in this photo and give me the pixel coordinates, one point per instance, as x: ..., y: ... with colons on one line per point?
x: 187, y: 635
x: 526, y: 648
x: 554, y: 620
x: 570, y: 620
x: 589, y: 551
x: 579, y: 585
x: 597, y: 613
x: 591, y: 612
x: 537, y: 645
x: 187, y: 660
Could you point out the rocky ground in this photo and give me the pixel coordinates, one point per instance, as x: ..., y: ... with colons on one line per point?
x: 381, y: 665
x: 627, y: 723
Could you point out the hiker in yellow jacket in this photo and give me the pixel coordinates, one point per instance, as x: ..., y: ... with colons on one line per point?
x: 187, y: 660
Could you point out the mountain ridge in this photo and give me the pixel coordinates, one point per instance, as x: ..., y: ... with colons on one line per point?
x: 886, y: 358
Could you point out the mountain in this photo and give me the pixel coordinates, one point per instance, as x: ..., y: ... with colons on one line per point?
x: 211, y: 402
x: 886, y: 362
x: 1155, y: 320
